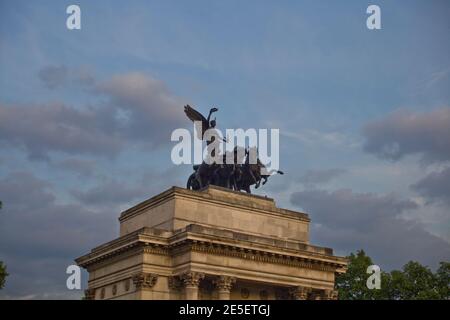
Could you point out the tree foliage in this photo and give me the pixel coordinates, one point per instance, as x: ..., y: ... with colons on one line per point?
x: 3, y: 273
x: 413, y: 282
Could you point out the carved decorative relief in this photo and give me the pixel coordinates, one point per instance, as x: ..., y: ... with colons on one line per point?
x: 330, y: 295
x: 144, y: 280
x: 192, y: 279
x: 224, y: 283
x: 245, y: 293
x: 256, y: 255
x: 300, y: 292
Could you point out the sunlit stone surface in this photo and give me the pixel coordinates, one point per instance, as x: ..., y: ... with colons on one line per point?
x: 211, y: 244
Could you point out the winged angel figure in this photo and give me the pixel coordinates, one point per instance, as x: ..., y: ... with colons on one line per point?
x: 196, y: 116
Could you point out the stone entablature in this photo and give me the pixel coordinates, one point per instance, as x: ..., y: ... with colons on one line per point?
x: 213, y: 241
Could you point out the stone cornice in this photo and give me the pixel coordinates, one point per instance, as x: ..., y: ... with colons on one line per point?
x: 139, y: 234
x: 188, y: 240
x: 219, y: 196
x: 214, y: 235
x: 263, y: 256
x: 125, y: 243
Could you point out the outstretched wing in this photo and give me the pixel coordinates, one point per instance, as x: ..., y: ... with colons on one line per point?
x: 194, y: 115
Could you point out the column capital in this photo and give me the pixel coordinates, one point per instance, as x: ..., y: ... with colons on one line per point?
x: 330, y: 294
x: 300, y: 292
x: 192, y: 279
x: 224, y: 283
x: 144, y: 280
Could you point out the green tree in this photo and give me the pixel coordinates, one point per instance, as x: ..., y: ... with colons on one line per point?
x: 443, y: 280
x: 3, y: 273
x: 352, y: 284
x: 413, y: 282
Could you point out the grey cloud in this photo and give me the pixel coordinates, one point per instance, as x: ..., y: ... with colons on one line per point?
x: 21, y: 188
x: 349, y: 221
x: 312, y: 177
x: 57, y: 127
x: 354, y: 208
x: 147, y: 108
x: 403, y: 132
x: 160, y: 179
x: 435, y: 186
x: 140, y: 110
x: 46, y: 226
x: 53, y: 76
x: 83, y: 76
x: 38, y: 278
x: 110, y: 193
x: 82, y: 167
x: 40, y: 237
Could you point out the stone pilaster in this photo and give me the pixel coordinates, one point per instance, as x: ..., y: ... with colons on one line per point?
x: 224, y: 284
x: 300, y: 292
x: 191, y: 281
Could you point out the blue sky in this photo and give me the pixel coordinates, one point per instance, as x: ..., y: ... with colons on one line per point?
x: 364, y: 119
